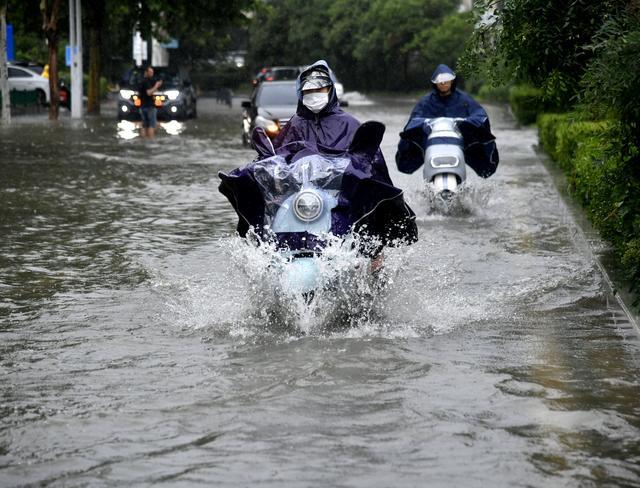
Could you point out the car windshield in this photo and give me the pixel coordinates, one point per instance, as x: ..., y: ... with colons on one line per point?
x: 278, y: 179
x: 277, y: 94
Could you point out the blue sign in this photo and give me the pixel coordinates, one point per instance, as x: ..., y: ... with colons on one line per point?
x: 67, y: 55
x: 11, y: 55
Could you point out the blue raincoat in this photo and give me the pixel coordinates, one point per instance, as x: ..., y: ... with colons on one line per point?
x: 331, y: 129
x: 480, y: 149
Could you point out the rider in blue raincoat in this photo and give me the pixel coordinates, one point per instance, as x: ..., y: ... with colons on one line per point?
x: 320, y: 122
x: 445, y: 100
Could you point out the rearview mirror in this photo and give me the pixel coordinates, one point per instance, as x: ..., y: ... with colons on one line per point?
x: 262, y: 144
x: 367, y: 138
x: 246, y: 104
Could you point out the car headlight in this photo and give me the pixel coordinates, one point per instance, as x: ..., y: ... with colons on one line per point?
x: 172, y: 94
x: 126, y: 94
x: 307, y: 206
x: 270, y: 126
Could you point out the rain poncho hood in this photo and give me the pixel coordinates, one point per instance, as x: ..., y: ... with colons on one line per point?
x: 310, y: 71
x: 480, y: 150
x: 444, y: 73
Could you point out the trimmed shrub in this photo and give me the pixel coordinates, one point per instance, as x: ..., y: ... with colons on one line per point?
x: 572, y: 135
x: 603, y: 176
x: 526, y: 102
x: 631, y: 262
x: 548, y: 129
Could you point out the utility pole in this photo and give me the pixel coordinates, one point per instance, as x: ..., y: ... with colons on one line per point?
x: 75, y: 40
x: 5, y: 110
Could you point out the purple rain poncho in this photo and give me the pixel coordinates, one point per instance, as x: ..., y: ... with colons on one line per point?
x: 331, y: 128
x: 366, y: 204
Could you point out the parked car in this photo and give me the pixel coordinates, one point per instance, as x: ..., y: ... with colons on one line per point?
x: 271, y: 106
x: 176, y: 98
x: 23, y: 78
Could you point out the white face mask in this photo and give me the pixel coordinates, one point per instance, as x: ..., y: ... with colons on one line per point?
x: 315, y: 101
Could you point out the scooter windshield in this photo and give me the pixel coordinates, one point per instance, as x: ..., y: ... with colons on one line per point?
x: 278, y: 179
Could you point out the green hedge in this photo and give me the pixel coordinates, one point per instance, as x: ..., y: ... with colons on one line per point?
x: 526, y: 102
x: 603, y: 177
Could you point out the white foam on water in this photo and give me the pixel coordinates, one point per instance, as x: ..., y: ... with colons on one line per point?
x: 347, y: 293
x: 471, y: 198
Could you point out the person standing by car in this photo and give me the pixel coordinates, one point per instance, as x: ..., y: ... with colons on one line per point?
x: 446, y: 100
x: 148, y: 110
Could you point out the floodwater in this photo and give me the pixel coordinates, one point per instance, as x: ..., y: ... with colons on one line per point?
x: 136, y: 348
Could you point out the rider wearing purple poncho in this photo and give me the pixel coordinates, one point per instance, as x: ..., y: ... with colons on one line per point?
x: 320, y: 122
x: 368, y: 203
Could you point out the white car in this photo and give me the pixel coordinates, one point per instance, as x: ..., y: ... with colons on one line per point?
x: 24, y: 79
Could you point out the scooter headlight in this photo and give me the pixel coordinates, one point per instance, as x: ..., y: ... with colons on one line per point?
x: 307, y: 206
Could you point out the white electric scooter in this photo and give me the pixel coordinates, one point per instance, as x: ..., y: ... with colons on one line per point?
x: 444, y: 163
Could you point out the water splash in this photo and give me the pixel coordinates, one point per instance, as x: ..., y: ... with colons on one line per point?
x: 468, y: 200
x: 348, y: 292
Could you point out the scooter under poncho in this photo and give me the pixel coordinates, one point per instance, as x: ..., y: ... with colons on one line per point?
x: 352, y: 197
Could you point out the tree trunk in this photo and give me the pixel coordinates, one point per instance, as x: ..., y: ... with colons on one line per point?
x: 95, y: 17
x: 50, y: 28
x: 54, y: 101
x: 4, y: 78
x: 93, y: 95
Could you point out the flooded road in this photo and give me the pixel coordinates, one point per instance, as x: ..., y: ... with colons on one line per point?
x: 133, y: 351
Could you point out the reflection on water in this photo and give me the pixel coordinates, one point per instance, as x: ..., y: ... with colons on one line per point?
x: 127, y: 129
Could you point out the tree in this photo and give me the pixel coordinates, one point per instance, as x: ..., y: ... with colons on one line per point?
x: 50, y: 10
x: 371, y: 44
x: 94, y: 18
x: 539, y: 42
x: 611, y: 83
x: 444, y: 43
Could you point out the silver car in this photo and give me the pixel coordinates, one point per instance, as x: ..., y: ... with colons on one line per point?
x: 271, y: 106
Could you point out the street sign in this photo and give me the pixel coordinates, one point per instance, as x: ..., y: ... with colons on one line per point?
x: 10, y: 44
